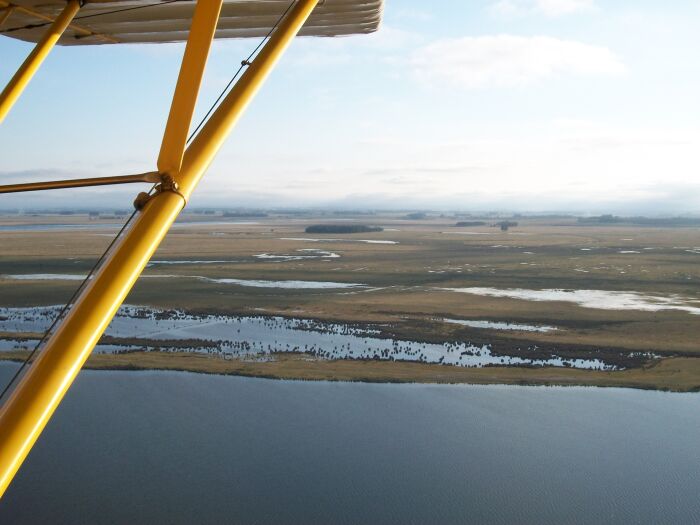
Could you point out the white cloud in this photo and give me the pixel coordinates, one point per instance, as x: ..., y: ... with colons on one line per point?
x: 551, y: 8
x: 505, y: 60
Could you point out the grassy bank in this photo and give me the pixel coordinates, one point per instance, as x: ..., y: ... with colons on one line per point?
x: 672, y: 374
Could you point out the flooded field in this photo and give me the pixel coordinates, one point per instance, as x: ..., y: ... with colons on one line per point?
x: 258, y: 337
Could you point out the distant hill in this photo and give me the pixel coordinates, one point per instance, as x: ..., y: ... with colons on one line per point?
x: 342, y: 228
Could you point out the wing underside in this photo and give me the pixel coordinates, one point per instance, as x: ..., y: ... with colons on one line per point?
x: 148, y: 21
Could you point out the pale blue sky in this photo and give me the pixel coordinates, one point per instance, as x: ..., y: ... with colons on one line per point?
x: 588, y: 105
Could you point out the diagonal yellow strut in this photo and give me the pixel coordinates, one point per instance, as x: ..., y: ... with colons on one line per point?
x: 37, y: 395
x: 30, y: 66
x: 185, y: 98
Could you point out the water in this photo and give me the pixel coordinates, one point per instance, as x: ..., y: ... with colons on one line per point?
x: 308, y: 253
x: 45, y: 277
x: 311, y: 239
x: 185, y: 261
x: 288, y: 285
x: 258, y: 337
x: 602, y: 299
x: 252, y: 283
x: 492, y: 325
x: 150, y: 447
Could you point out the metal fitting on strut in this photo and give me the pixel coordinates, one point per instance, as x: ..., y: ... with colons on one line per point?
x: 167, y: 183
x: 141, y: 200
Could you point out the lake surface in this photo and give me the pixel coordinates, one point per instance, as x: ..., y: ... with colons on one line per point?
x: 157, y: 447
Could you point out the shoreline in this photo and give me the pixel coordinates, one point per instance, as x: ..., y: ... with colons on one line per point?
x: 675, y: 374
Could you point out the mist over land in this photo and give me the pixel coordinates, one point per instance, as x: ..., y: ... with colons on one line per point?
x: 662, y: 199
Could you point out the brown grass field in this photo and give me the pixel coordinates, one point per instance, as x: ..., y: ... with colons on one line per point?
x: 671, y: 374
x: 404, y: 281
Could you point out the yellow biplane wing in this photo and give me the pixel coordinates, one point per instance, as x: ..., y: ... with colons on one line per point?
x: 143, y: 21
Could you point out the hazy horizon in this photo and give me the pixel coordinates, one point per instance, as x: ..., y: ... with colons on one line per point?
x: 670, y: 201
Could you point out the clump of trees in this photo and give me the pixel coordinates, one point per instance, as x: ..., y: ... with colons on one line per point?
x: 342, y: 228
x: 466, y: 224
x: 505, y: 225
x: 415, y: 216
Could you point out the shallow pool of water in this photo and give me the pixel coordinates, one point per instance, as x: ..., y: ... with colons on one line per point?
x: 601, y: 299
x: 249, y: 336
x: 495, y: 325
x: 310, y: 239
x: 44, y: 277
x: 289, y: 285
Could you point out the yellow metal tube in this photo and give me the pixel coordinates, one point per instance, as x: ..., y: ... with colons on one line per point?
x: 208, y: 141
x: 30, y: 406
x: 152, y: 177
x: 30, y: 66
x: 194, y: 60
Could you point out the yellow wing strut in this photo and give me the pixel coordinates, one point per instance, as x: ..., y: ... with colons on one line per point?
x: 187, y: 89
x: 37, y: 394
x: 30, y: 66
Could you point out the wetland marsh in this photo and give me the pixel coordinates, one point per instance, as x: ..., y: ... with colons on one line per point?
x: 551, y: 298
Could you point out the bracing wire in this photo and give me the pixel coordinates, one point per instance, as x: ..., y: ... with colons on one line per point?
x: 244, y: 63
x: 65, y: 308
x: 133, y: 8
